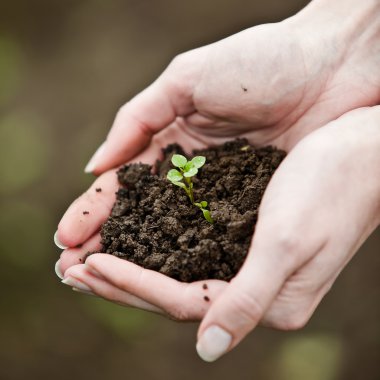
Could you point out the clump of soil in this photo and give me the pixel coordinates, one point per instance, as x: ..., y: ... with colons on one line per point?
x: 154, y: 224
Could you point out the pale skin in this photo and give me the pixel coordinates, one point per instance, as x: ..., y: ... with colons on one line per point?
x: 309, y: 85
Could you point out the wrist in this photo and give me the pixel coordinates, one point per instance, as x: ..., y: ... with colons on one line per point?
x: 345, y: 19
x: 346, y: 31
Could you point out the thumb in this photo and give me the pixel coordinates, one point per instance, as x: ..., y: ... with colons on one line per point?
x: 243, y: 304
x: 145, y: 115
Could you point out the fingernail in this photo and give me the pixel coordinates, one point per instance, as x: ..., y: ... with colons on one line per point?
x: 57, y: 241
x: 76, y: 284
x: 89, y: 293
x: 213, y: 343
x: 58, y: 271
x: 91, y: 166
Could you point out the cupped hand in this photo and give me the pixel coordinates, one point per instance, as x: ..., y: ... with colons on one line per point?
x: 266, y: 84
x: 320, y: 206
x: 272, y: 84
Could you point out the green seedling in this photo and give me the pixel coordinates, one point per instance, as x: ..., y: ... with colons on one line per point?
x: 182, y: 178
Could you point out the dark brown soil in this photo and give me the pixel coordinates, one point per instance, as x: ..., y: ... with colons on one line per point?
x: 154, y: 224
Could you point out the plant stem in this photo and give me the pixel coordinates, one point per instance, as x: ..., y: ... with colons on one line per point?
x: 190, y: 189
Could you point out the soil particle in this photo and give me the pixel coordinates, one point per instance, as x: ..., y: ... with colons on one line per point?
x: 85, y: 212
x: 98, y: 189
x: 153, y: 223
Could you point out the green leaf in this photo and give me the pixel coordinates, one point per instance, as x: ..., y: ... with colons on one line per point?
x: 179, y: 161
x: 192, y: 172
x: 198, y: 161
x: 188, y: 166
x: 207, y: 215
x: 174, y: 175
x: 180, y: 184
x: 204, y: 204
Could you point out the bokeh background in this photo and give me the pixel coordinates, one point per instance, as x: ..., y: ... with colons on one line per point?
x: 65, y: 69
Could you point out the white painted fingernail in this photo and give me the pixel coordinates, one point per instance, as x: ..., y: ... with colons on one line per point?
x: 58, y: 271
x: 213, y: 343
x: 57, y: 241
x: 89, y: 293
x: 73, y: 282
x: 91, y: 166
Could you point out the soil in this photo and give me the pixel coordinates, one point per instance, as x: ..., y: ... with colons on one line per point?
x: 154, y: 224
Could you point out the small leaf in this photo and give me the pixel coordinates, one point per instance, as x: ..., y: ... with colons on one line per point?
x: 198, y: 161
x: 192, y: 172
x: 207, y: 215
x: 188, y: 166
x: 180, y: 184
x: 204, y: 204
x: 179, y: 161
x: 174, y: 175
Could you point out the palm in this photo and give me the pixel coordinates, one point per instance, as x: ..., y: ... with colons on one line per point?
x: 326, y: 246
x: 262, y: 84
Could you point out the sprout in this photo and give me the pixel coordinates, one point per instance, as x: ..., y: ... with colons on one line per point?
x: 182, y: 178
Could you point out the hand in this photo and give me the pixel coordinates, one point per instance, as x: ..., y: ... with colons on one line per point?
x: 236, y: 87
x: 320, y: 206
x: 272, y: 83
x: 200, y: 100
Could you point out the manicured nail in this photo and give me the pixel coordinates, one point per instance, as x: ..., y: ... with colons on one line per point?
x: 89, y: 293
x: 73, y: 282
x: 213, y: 343
x: 57, y: 241
x: 58, y: 271
x: 91, y: 166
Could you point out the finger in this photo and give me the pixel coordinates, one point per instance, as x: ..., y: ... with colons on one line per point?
x: 146, y: 114
x: 75, y: 256
x: 182, y: 301
x: 304, y: 210
x: 242, y: 304
x: 81, y: 279
x: 281, y: 244
x: 176, y: 133
x: 291, y: 310
x: 85, y: 215
x: 304, y: 289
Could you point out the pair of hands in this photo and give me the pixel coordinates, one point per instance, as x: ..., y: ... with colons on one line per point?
x: 310, y: 90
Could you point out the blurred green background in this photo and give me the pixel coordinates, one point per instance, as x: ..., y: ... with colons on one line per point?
x: 65, y: 68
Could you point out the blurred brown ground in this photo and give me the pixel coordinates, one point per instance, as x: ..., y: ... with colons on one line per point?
x: 65, y: 68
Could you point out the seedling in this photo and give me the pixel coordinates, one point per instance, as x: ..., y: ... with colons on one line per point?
x: 182, y: 178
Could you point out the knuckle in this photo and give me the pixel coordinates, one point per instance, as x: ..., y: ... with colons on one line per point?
x: 122, y: 110
x: 294, y: 322
x: 179, y: 62
x: 178, y: 313
x: 247, y: 308
x: 288, y: 241
x: 181, y: 75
